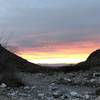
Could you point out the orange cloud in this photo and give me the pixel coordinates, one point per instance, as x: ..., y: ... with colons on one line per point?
x: 59, y: 53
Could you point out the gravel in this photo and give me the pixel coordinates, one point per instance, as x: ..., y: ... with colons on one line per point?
x: 58, y: 86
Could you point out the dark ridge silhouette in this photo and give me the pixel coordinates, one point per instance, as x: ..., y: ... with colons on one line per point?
x: 93, y: 61
x: 11, y: 63
x: 94, y: 58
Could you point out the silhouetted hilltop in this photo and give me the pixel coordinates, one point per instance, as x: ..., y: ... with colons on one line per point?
x: 94, y: 58
x: 10, y: 64
x: 10, y: 61
x: 92, y: 61
x: 13, y: 62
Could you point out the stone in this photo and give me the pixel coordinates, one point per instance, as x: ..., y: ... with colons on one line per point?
x: 26, y: 87
x: 41, y: 94
x: 87, y: 96
x: 52, y: 84
x: 33, y: 87
x: 67, y: 79
x: 92, y: 80
x: 57, y: 94
x: 12, y: 94
x: 3, y: 85
x: 73, y: 93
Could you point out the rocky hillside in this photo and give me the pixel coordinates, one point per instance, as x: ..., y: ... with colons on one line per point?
x: 93, y: 61
x: 94, y: 58
x: 10, y: 64
x: 10, y: 61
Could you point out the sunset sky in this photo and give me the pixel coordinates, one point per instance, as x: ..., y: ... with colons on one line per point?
x: 51, y: 31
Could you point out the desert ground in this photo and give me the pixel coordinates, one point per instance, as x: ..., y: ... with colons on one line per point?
x: 80, y: 85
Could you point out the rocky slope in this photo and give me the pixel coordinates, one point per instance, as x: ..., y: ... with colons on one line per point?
x: 93, y: 61
x: 94, y: 58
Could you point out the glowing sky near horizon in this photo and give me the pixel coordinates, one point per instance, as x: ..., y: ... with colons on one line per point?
x: 51, y: 31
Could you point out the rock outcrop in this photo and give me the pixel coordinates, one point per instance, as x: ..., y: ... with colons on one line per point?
x: 94, y: 58
x: 92, y: 61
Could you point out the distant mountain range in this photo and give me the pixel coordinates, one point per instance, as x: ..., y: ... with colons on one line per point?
x: 56, y: 65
